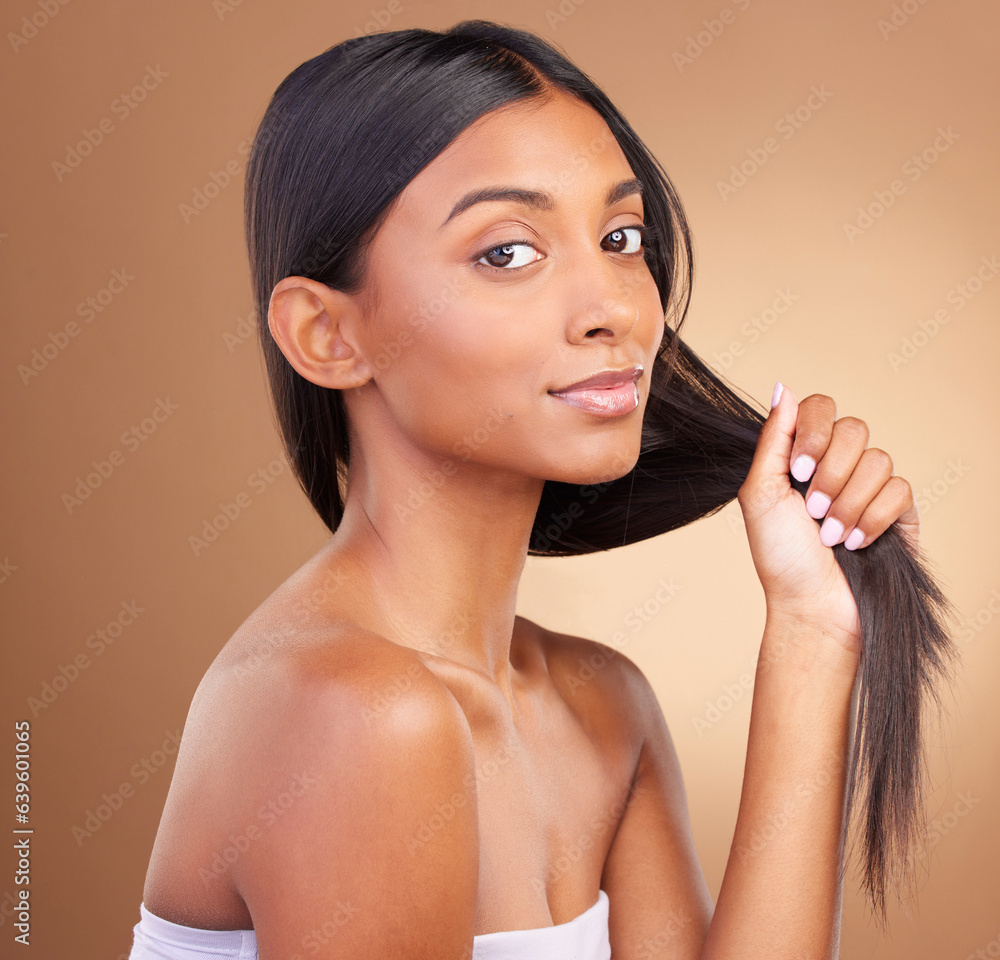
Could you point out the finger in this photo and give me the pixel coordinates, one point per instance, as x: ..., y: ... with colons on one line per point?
x: 894, y: 501
x: 774, y: 442
x: 869, y: 477
x: 817, y: 414
x: 847, y: 443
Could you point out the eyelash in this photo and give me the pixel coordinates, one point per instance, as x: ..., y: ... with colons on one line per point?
x: 645, y: 231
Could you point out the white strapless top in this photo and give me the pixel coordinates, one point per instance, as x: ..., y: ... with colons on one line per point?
x: 583, y: 938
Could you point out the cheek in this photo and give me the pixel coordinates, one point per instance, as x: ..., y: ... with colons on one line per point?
x: 655, y: 327
x: 454, y: 361
x: 460, y: 331
x: 476, y: 356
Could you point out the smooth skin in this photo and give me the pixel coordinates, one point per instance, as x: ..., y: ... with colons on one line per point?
x: 385, y: 760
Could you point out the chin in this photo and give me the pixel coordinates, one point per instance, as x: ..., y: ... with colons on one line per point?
x: 611, y: 462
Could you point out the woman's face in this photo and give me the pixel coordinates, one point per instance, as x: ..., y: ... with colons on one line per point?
x: 475, y: 313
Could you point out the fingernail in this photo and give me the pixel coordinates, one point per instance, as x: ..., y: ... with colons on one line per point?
x: 830, y: 532
x: 854, y: 539
x: 817, y: 505
x: 776, y: 396
x: 803, y: 467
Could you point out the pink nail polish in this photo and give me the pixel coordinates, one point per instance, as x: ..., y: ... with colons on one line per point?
x: 854, y: 539
x: 776, y: 396
x: 817, y: 505
x: 803, y: 467
x: 830, y: 532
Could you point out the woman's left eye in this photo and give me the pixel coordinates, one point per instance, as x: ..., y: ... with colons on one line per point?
x: 625, y: 239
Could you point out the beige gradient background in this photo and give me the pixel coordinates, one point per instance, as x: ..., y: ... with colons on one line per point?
x: 67, y: 574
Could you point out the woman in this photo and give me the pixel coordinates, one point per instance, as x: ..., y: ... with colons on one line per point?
x: 464, y: 256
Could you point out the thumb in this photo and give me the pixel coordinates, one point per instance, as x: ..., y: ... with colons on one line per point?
x: 774, y: 443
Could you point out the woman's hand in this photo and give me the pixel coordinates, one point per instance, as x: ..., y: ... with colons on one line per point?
x: 852, y: 490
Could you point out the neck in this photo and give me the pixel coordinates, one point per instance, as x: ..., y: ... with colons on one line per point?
x: 436, y: 548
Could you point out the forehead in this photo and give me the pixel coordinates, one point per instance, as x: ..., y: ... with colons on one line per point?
x: 555, y: 145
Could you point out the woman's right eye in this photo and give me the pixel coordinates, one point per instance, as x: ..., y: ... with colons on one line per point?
x: 510, y: 256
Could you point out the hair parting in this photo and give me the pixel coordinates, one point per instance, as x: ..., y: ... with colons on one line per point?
x: 341, y: 137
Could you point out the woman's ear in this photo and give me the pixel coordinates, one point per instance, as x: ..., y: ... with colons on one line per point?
x: 314, y: 327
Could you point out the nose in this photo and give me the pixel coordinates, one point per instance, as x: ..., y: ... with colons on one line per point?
x: 603, y: 303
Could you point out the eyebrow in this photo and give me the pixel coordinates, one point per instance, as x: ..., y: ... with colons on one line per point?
x: 535, y: 198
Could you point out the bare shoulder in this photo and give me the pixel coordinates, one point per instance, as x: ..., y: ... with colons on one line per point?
x: 308, y: 762
x: 338, y: 692
x: 597, y: 676
x: 381, y: 747
x: 652, y: 861
x: 615, y: 690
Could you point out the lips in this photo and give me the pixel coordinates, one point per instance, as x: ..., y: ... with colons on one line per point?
x: 609, y: 393
x: 604, y: 380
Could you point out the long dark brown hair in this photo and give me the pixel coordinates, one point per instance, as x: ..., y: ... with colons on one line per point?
x: 342, y: 136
